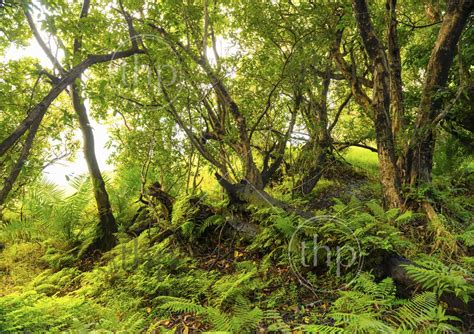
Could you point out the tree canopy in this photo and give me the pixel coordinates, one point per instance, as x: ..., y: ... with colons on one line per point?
x: 234, y: 127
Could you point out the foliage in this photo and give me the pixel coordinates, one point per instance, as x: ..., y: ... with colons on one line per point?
x: 227, y: 107
x: 432, y: 274
x: 372, y: 307
x: 46, y: 208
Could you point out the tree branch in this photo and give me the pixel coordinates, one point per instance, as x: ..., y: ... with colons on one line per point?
x: 40, y: 109
x: 41, y: 43
x: 339, y: 111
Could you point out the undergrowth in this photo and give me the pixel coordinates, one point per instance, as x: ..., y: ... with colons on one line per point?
x: 204, y: 279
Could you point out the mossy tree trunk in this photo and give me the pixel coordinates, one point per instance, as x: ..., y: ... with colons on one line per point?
x: 107, y: 226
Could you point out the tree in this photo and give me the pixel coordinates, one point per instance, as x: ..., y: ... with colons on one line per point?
x: 386, y: 103
x: 419, y: 156
x: 107, y: 226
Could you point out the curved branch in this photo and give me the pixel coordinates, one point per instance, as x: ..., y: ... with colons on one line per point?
x: 40, y: 109
x: 347, y: 144
x: 41, y: 43
x: 339, y: 111
x: 15, y: 172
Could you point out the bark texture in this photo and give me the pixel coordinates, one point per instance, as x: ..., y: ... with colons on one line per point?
x: 15, y: 172
x: 247, y: 193
x: 314, y: 154
x: 107, y: 226
x: 420, y: 153
x: 380, y: 106
x: 105, y: 238
x: 395, y: 71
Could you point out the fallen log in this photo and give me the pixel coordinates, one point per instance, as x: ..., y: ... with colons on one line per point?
x: 394, y: 267
x: 245, y: 192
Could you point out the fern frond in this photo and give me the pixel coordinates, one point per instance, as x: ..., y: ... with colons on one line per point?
x: 181, y: 305
x: 364, y: 323
x: 219, y: 320
x: 434, y: 275
x: 244, y: 317
x: 416, y: 311
x: 214, y: 220
x: 321, y: 329
x: 277, y: 322
x: 229, y: 287
x: 376, y: 209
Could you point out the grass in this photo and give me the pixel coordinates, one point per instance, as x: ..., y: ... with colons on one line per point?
x: 363, y: 159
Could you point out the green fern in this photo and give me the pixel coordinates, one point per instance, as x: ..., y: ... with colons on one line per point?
x: 468, y: 236
x: 277, y: 324
x: 229, y: 288
x: 372, y: 308
x: 422, y: 312
x: 240, y: 318
x: 214, y: 220
x: 361, y: 323
x: 245, y: 318
x: 181, y: 305
x: 321, y: 329
x: 432, y: 274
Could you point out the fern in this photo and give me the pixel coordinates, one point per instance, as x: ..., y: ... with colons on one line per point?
x: 241, y: 317
x: 214, y: 220
x: 321, y: 329
x: 361, y: 323
x: 434, y: 275
x: 244, y: 317
x: 377, y: 210
x: 47, y: 212
x: 423, y: 312
x: 468, y: 236
x: 367, y: 296
x: 229, y: 288
x: 372, y: 308
x: 277, y: 323
x: 180, y: 305
x: 219, y: 320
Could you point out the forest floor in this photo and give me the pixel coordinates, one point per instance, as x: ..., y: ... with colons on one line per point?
x: 206, y: 276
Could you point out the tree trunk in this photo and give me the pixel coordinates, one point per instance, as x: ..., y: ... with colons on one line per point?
x: 25, y: 152
x: 389, y: 175
x: 105, y: 239
x: 380, y: 105
x: 162, y: 197
x: 314, y: 157
x: 317, y: 151
x: 393, y: 265
x: 318, y: 154
x: 397, y: 108
x: 395, y: 71
x: 246, y: 193
x: 420, y: 153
